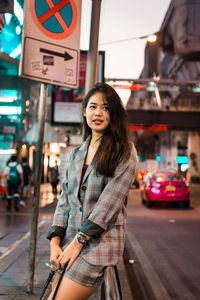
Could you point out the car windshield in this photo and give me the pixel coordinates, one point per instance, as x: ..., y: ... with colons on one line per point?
x: 168, y: 177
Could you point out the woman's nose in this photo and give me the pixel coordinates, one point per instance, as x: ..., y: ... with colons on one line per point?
x: 98, y: 111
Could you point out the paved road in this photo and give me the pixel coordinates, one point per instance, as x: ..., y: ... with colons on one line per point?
x: 164, y: 243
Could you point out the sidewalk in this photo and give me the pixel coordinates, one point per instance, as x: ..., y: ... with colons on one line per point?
x: 14, y: 261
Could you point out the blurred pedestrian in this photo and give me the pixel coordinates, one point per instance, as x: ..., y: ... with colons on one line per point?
x: 89, y: 222
x: 54, y: 178
x: 14, y: 176
x: 3, y: 186
x: 27, y: 172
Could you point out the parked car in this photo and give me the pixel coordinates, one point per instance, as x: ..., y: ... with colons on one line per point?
x: 165, y: 186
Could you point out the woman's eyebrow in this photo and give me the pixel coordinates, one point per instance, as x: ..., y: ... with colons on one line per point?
x: 104, y: 104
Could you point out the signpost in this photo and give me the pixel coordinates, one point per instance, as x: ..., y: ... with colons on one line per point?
x: 50, y: 55
x: 51, y: 42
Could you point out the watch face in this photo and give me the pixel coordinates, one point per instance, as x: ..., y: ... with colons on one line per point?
x: 81, y: 238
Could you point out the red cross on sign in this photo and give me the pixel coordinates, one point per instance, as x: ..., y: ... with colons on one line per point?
x: 56, y: 20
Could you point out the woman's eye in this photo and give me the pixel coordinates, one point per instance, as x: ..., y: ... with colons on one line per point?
x: 105, y: 108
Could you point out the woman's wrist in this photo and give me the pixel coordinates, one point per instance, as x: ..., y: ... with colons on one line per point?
x: 55, y: 240
x: 77, y: 244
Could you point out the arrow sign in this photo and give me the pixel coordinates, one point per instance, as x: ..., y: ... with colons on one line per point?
x: 65, y: 55
x: 51, y: 41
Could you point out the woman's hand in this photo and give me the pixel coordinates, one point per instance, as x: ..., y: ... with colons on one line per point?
x: 70, y: 253
x: 55, y: 252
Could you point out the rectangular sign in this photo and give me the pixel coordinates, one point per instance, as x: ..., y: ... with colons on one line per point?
x: 51, y: 42
x: 70, y: 112
x: 52, y: 65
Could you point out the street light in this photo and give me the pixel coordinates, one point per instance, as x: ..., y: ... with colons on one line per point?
x: 152, y: 38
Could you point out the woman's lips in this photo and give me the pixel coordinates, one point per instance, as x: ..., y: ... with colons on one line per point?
x: 97, y: 121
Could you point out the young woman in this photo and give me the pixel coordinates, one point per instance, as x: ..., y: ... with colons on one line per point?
x: 89, y: 223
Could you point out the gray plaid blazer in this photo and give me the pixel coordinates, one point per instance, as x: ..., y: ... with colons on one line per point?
x: 99, y: 199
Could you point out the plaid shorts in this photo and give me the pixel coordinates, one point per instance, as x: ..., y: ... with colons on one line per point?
x: 85, y: 273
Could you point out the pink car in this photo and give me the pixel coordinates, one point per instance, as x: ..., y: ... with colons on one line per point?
x: 166, y: 186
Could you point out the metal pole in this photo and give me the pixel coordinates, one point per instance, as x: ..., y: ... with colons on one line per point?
x: 37, y: 180
x: 93, y: 49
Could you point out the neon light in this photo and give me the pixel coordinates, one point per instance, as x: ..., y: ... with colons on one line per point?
x: 158, y: 158
x: 16, y: 51
x: 7, y: 99
x: 8, y: 151
x: 9, y: 35
x: 8, y: 18
x: 154, y: 127
x: 196, y: 89
x: 18, y: 30
x: 182, y: 159
x: 9, y: 93
x: 19, y: 13
x: 13, y: 117
x: 10, y: 110
x: 151, y: 87
x: 184, y: 167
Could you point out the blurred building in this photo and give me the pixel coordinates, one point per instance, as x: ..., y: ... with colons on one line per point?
x: 165, y: 113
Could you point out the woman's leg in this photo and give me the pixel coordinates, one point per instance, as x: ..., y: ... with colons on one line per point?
x: 70, y: 290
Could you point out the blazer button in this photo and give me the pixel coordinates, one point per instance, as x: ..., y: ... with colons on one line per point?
x: 84, y: 188
x: 80, y: 209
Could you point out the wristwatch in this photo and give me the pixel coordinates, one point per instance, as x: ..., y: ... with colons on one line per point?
x: 81, y: 238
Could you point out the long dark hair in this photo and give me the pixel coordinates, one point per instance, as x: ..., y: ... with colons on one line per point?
x: 115, y: 143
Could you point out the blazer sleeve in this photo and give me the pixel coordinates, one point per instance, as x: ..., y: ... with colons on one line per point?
x: 113, y: 196
x: 61, y: 214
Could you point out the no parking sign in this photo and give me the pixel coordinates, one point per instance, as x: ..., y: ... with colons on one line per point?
x: 51, y: 41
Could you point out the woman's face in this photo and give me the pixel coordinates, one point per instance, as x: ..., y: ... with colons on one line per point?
x: 97, y: 113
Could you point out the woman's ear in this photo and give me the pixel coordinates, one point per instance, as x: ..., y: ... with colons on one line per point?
x: 83, y: 111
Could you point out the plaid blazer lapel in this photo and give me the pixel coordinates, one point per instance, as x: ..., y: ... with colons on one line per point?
x: 87, y: 173
x: 80, y: 159
x: 79, y: 162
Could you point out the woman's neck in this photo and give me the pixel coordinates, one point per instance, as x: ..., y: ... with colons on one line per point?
x: 95, y: 140
x: 92, y: 149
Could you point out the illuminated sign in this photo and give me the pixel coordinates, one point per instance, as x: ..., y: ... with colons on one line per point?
x: 10, y: 39
x: 154, y: 127
x: 10, y: 110
x: 6, y: 141
x: 182, y: 159
x: 7, y: 99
